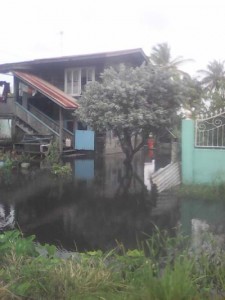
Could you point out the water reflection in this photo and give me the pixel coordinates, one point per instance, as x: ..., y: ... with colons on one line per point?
x: 7, y: 216
x: 149, y: 169
x: 102, y: 204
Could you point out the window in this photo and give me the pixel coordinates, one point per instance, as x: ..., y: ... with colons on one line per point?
x: 75, y: 79
x: 90, y: 75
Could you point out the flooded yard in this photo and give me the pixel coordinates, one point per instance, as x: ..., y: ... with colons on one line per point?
x: 99, y: 206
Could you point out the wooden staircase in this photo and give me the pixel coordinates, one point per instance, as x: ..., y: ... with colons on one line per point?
x: 34, y: 121
x: 24, y: 126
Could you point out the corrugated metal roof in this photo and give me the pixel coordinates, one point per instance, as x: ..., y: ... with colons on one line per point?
x: 48, y: 90
x: 137, y: 54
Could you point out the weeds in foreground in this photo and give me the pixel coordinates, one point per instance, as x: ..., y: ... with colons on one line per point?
x: 133, y: 274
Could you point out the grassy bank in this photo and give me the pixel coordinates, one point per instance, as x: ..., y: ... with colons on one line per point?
x: 164, y: 269
x: 208, y: 192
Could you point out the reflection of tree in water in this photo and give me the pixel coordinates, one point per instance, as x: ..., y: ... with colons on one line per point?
x: 130, y: 183
x: 89, y: 214
x: 67, y: 214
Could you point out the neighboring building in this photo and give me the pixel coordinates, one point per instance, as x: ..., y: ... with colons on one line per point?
x: 46, y: 93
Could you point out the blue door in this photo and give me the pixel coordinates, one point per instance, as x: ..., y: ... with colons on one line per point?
x: 84, y: 140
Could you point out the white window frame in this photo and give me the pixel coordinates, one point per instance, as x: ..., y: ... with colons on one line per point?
x: 92, y: 69
x: 69, y: 86
x: 71, y: 90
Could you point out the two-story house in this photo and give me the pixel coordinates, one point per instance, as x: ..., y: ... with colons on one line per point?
x: 46, y: 92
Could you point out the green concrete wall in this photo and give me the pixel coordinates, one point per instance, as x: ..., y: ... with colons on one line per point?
x: 200, y: 165
x: 187, y: 144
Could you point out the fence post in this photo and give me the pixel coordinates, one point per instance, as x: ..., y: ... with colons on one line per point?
x: 187, y: 150
x: 174, y: 151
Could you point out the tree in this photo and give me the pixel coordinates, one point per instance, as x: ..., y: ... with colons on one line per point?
x: 193, y: 95
x: 213, y: 76
x: 161, y: 56
x: 213, y: 84
x: 132, y: 102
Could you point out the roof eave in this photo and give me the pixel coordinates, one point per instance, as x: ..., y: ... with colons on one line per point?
x: 46, y: 94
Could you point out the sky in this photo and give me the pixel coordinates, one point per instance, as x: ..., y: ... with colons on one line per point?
x: 31, y: 29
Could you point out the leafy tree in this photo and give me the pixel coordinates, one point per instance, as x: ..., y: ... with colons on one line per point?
x: 193, y: 94
x: 213, y: 84
x: 191, y: 88
x: 132, y: 102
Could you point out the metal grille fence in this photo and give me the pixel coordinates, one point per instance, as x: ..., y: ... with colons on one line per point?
x: 210, y: 130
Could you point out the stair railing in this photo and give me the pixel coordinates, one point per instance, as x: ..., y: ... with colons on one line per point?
x: 49, y: 121
x: 33, y: 121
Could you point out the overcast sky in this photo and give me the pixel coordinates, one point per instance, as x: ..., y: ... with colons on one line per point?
x: 33, y: 29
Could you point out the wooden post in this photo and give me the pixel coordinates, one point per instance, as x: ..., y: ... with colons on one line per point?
x: 60, y: 130
x: 174, y: 151
x: 74, y: 131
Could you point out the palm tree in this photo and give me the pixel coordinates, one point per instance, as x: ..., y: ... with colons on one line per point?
x: 213, y: 79
x: 213, y: 84
x: 161, y: 56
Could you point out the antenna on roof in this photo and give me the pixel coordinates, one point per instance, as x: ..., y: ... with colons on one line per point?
x: 61, y: 42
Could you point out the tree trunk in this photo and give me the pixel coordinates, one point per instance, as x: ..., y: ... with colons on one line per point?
x: 129, y: 157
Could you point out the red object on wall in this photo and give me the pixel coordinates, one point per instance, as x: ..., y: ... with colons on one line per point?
x: 151, y: 143
x: 151, y: 154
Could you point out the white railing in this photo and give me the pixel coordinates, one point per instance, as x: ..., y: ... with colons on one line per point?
x: 210, y: 130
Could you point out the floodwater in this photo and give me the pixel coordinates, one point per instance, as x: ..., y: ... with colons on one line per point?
x: 101, y: 205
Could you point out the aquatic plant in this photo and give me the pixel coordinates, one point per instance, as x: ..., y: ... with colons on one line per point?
x: 53, y: 155
x: 24, y: 157
x: 61, y: 170
x: 7, y: 161
x: 52, y: 161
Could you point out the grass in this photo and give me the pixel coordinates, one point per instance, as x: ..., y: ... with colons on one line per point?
x: 164, y: 269
x: 208, y: 192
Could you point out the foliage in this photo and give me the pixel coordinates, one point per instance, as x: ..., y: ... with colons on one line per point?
x: 213, y: 76
x: 213, y: 83
x: 191, y: 88
x: 193, y: 94
x: 161, y: 56
x: 131, y: 274
x: 61, y: 170
x: 25, y: 157
x: 53, y: 155
x: 8, y: 161
x: 208, y: 192
x: 132, y: 102
x: 52, y: 160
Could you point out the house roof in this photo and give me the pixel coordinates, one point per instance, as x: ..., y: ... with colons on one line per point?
x: 48, y: 90
x: 135, y: 54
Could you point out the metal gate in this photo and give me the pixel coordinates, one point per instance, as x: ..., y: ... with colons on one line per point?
x: 210, y: 130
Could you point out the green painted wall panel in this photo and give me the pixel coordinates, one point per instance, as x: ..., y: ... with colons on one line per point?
x: 200, y: 165
x: 187, y: 143
x: 209, y: 165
